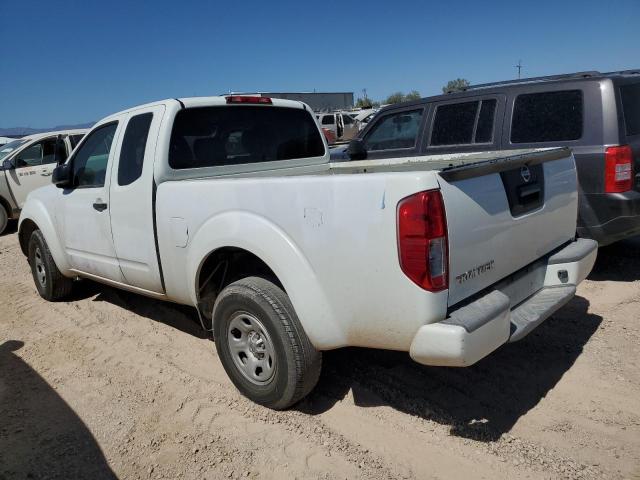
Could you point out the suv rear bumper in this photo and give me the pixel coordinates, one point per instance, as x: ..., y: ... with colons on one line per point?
x: 609, y: 217
x: 472, y: 332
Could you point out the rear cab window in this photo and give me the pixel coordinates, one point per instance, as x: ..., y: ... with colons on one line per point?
x: 554, y: 116
x: 220, y: 136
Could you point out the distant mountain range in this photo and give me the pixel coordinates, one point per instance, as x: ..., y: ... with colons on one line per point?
x: 22, y: 131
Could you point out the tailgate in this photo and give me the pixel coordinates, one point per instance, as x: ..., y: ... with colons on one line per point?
x: 504, y: 214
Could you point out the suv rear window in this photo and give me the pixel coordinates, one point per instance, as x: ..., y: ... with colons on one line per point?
x: 630, y: 95
x: 232, y: 135
x: 547, y: 117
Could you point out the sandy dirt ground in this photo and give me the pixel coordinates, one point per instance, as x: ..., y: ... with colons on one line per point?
x: 112, y: 385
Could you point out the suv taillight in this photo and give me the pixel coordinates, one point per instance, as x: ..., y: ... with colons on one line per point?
x: 618, y: 170
x: 422, y: 240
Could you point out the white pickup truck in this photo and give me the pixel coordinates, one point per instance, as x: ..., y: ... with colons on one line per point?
x: 230, y: 204
x: 27, y: 163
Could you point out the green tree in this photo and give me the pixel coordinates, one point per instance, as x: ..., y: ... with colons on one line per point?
x: 456, y: 85
x: 398, y: 97
x: 395, y: 97
x: 363, y: 103
x: 412, y: 95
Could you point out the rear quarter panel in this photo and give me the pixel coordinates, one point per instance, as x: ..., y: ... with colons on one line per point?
x: 330, y: 239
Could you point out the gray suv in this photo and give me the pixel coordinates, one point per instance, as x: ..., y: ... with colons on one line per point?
x: 596, y: 114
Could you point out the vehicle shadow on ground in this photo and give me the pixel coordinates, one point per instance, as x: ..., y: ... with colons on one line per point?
x: 619, y: 262
x: 40, y: 435
x: 480, y: 402
x: 180, y: 317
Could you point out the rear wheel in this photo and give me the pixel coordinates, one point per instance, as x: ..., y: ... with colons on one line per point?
x: 262, y: 345
x: 4, y: 218
x: 50, y: 283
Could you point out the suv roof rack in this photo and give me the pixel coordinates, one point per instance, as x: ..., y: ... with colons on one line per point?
x: 587, y: 74
x: 624, y: 72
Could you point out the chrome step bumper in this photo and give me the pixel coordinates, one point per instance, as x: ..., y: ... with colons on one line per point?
x: 473, y: 331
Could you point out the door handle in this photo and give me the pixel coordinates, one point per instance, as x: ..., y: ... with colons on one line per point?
x: 100, y: 206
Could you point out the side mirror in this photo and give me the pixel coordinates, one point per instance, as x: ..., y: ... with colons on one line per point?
x: 8, y: 165
x: 62, y: 176
x: 357, y: 150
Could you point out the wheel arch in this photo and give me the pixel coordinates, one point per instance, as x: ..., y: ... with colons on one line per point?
x: 34, y: 216
x: 263, y: 249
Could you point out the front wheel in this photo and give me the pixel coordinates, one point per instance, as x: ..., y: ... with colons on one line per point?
x: 261, y: 344
x: 50, y: 283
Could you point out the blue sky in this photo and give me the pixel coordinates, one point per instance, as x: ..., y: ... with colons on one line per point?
x: 71, y: 62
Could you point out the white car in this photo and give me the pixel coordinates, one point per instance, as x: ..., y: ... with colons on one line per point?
x: 364, y: 117
x: 230, y: 205
x: 27, y: 163
x: 343, y: 126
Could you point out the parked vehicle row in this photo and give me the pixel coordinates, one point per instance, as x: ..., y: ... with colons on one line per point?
x: 596, y: 115
x: 231, y: 205
x: 27, y: 163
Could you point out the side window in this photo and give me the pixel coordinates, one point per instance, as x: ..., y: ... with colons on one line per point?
x: 75, y: 140
x: 133, y: 147
x: 30, y: 157
x: 393, y: 131
x: 328, y: 120
x: 347, y: 119
x: 484, y: 129
x: 453, y: 124
x: 90, y: 160
x: 630, y: 95
x: 547, y: 117
x: 49, y: 151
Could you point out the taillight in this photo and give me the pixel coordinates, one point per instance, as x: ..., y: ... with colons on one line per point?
x: 248, y: 99
x: 618, y: 171
x: 422, y: 240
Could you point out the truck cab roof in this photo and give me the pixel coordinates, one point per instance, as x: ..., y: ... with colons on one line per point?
x: 211, y: 101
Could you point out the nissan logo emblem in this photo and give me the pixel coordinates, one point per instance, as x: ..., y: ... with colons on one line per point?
x: 525, y: 173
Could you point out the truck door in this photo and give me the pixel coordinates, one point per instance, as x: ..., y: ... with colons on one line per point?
x: 350, y: 127
x: 131, y: 208
x: 33, y: 168
x: 85, y: 207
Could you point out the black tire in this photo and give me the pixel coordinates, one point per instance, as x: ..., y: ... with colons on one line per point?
x: 50, y: 283
x: 257, y: 303
x: 4, y: 218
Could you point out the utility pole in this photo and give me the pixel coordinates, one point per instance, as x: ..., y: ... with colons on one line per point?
x: 519, y: 67
x: 364, y: 93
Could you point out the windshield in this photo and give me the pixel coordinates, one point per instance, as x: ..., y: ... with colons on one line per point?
x: 10, y: 147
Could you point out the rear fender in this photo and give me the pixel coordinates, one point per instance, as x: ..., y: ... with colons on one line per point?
x: 268, y: 242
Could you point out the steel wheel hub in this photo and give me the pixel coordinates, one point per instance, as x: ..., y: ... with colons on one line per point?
x: 41, y: 274
x: 251, y: 348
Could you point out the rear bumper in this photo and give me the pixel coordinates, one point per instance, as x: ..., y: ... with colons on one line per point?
x: 478, y: 328
x: 609, y: 217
